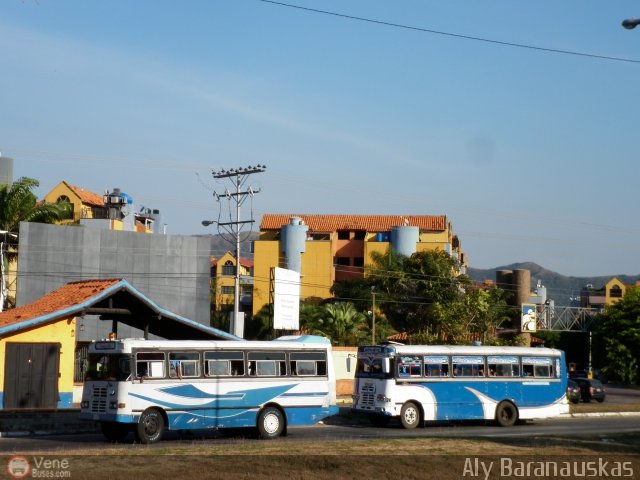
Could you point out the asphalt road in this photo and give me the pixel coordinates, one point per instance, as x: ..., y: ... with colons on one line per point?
x: 350, y: 429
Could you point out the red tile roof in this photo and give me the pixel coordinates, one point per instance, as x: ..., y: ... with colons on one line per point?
x: 63, y: 298
x: 87, y: 197
x: 369, y: 223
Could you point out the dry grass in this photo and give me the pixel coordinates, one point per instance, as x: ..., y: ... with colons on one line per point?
x: 416, y: 458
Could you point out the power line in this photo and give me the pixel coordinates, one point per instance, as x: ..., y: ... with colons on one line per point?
x: 455, y: 35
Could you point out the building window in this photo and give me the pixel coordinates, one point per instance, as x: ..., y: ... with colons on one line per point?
x: 343, y: 234
x: 358, y: 262
x: 229, y: 268
x: 343, y: 261
x: 227, y: 290
x: 359, y: 235
x: 615, y: 292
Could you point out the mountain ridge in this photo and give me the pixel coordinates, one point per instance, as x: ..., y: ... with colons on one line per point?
x: 560, y: 288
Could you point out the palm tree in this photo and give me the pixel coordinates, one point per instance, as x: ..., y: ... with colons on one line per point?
x: 19, y: 204
x: 344, y: 324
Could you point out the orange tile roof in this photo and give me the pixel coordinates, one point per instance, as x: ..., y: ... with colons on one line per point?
x: 87, y: 197
x: 58, y: 300
x: 369, y: 223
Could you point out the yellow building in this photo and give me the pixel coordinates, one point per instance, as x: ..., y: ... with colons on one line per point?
x: 610, y: 293
x: 223, y: 271
x: 91, y: 206
x: 329, y: 248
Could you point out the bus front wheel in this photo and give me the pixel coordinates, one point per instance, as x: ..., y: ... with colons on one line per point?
x: 506, y: 414
x: 410, y: 415
x: 270, y: 423
x: 150, y: 427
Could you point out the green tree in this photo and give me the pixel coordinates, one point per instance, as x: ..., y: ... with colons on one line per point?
x: 19, y: 204
x: 415, y: 291
x: 618, y: 338
x: 340, y: 322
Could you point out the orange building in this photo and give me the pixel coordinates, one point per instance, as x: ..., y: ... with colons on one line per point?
x: 329, y: 248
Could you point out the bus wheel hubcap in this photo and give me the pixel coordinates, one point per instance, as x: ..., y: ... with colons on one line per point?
x: 271, y: 423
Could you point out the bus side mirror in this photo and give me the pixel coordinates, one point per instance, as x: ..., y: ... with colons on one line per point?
x: 349, y: 361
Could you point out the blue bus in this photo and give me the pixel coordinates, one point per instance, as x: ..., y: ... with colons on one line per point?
x: 421, y: 383
x: 147, y: 386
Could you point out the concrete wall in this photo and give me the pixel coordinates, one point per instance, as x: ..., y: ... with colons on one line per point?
x: 344, y: 364
x: 172, y: 270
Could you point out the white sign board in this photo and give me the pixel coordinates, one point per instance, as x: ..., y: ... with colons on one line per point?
x: 286, y: 299
x: 528, y: 318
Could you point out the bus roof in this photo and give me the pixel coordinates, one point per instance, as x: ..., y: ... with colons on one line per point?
x: 126, y: 344
x: 465, y: 350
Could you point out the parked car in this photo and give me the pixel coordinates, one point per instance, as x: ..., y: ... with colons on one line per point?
x: 591, y: 389
x: 573, y: 391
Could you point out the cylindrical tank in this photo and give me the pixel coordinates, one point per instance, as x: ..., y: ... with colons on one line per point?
x: 157, y: 221
x: 504, y: 281
x: 6, y: 170
x: 404, y: 240
x: 522, y: 285
x: 292, y: 242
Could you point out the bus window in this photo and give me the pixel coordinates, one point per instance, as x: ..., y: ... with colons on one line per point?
x: 503, y: 366
x: 436, y: 366
x: 540, y: 367
x: 150, y: 365
x: 220, y: 364
x: 184, y: 365
x: 467, y: 366
x: 308, y: 363
x: 267, y: 364
x: 409, y: 366
x: 107, y: 367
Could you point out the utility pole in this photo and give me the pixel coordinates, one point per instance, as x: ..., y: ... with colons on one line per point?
x: 373, y: 315
x: 237, y: 177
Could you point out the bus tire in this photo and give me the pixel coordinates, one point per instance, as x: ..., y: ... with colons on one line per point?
x: 150, y: 427
x: 270, y: 423
x: 506, y: 414
x: 410, y: 415
x: 114, y: 432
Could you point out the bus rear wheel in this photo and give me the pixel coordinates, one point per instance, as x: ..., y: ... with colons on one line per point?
x: 150, y: 427
x: 506, y: 414
x: 410, y: 415
x: 270, y: 423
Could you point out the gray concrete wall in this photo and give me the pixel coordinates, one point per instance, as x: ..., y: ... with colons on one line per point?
x: 172, y: 270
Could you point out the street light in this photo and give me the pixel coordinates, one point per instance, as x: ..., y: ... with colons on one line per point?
x: 631, y: 23
x: 206, y: 223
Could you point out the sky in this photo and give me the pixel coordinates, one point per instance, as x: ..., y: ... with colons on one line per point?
x: 516, y: 120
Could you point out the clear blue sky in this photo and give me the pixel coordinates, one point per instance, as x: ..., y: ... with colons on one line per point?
x: 531, y: 154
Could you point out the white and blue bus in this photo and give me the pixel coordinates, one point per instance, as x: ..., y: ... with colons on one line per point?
x: 147, y: 386
x: 425, y: 383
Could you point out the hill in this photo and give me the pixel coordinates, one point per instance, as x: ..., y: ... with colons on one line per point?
x: 560, y: 288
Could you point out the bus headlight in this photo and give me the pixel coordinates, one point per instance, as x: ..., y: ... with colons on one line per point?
x: 113, y: 405
x: 381, y: 398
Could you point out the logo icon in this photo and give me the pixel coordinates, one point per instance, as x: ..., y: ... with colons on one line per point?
x: 18, y: 467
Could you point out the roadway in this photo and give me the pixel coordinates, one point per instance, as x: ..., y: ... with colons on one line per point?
x: 349, y: 427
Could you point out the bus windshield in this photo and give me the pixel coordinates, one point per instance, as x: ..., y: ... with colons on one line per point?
x: 108, y: 367
x: 369, y: 367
